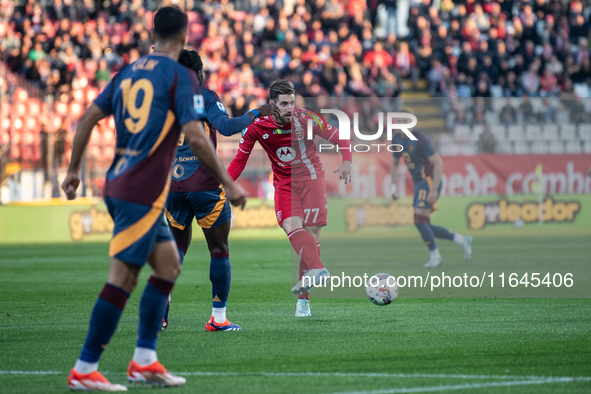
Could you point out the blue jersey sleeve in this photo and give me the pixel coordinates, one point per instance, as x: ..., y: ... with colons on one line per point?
x: 218, y: 117
x: 104, y: 100
x: 425, y: 144
x: 188, y: 99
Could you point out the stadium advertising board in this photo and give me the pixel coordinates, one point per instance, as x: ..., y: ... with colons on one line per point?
x: 91, y: 222
x: 469, y: 176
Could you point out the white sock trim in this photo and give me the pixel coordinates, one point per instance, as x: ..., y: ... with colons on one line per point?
x: 144, y: 356
x: 219, y: 314
x: 84, y: 367
x: 458, y: 238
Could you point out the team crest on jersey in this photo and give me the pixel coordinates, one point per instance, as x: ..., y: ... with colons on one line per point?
x: 299, y: 133
x: 286, y: 154
x: 121, y: 166
x: 221, y: 106
x: 178, y: 171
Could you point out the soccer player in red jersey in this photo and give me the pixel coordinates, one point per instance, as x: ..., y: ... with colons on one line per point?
x: 298, y: 177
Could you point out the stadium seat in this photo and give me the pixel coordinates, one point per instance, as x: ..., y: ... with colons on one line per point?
x: 498, y: 131
x: 497, y: 104
x: 468, y: 149
x: 532, y: 133
x: 520, y: 147
x: 573, y: 147
x: 491, y: 117
x: 515, y: 133
x: 568, y: 132
x: 585, y: 131
x: 476, y: 131
x: 556, y: 147
x: 581, y: 89
x: 539, y: 147
x: 549, y: 132
x: 505, y: 147
x: 462, y: 132
x: 536, y: 104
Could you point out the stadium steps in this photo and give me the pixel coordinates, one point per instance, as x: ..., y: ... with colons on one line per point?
x: 426, y: 108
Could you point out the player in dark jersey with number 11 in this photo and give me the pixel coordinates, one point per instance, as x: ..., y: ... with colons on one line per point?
x: 425, y: 166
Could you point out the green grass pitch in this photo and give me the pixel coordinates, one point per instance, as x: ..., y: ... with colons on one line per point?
x: 347, y: 346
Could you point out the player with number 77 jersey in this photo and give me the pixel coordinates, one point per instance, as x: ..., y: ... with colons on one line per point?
x: 298, y: 177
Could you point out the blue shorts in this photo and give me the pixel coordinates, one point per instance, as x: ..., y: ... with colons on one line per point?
x: 136, y: 230
x: 422, y: 189
x: 210, y: 207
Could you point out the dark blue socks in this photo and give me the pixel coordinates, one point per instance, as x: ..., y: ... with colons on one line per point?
x: 103, y: 321
x: 422, y: 223
x: 152, y: 306
x: 220, y: 274
x: 442, y: 232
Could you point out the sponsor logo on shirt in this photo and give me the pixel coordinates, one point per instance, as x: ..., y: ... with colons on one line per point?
x: 286, y: 153
x: 279, y: 131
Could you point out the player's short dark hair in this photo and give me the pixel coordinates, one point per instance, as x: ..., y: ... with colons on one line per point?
x: 279, y: 87
x: 169, y: 22
x: 192, y: 60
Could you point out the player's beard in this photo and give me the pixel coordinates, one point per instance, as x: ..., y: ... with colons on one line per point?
x: 283, y: 119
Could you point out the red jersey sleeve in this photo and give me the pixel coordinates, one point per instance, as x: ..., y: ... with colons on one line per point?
x: 246, y: 145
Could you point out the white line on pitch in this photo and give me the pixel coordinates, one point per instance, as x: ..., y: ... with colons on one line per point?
x: 462, y: 386
x: 31, y: 373
x: 340, y: 374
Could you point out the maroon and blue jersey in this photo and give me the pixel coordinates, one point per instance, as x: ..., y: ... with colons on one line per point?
x: 416, y: 154
x: 150, y: 100
x: 188, y: 175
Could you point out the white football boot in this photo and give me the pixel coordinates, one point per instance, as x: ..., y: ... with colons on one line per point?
x: 303, y: 308
x: 467, y: 247
x: 313, y: 277
x: 434, y: 262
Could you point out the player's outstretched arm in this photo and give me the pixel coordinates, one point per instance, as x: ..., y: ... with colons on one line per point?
x: 202, y: 147
x: 435, y: 159
x: 86, y: 124
x: 228, y: 127
x: 265, y: 110
x: 394, y: 177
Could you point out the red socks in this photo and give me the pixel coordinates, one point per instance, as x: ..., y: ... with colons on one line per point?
x: 305, y: 246
x: 301, y: 274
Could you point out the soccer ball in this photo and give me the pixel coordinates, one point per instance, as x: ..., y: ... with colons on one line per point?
x: 386, y: 290
x: 518, y: 223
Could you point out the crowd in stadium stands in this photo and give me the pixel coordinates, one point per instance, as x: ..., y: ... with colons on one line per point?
x: 68, y: 50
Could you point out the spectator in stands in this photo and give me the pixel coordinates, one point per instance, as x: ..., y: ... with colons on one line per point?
x: 526, y: 112
x: 486, y: 141
x: 508, y: 114
x: 548, y: 84
x: 69, y: 49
